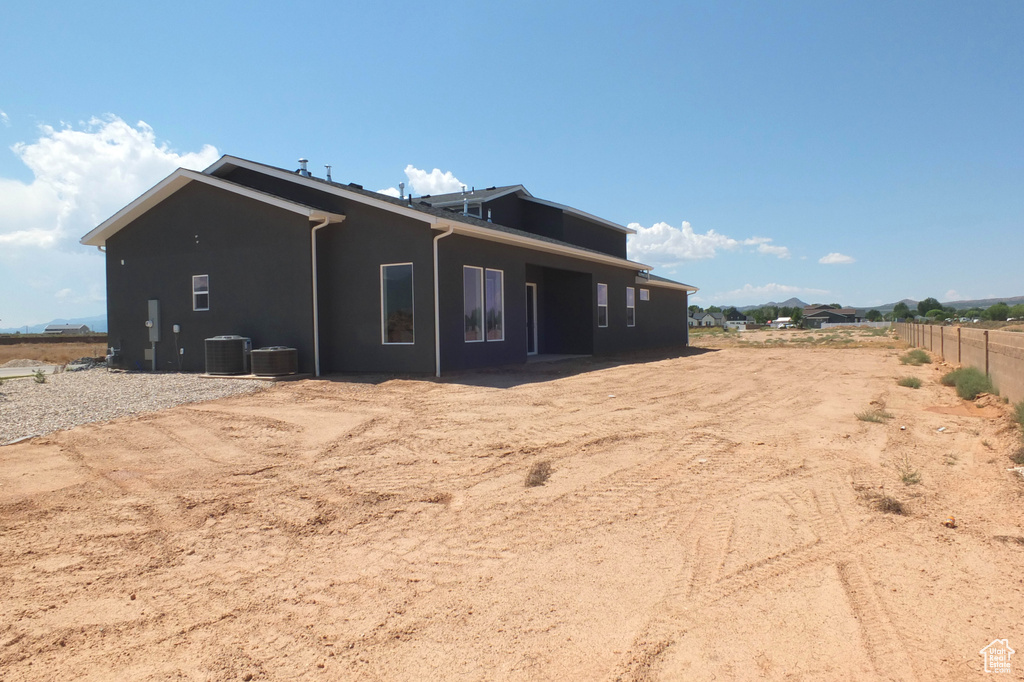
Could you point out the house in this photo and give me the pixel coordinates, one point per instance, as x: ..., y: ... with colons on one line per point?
x: 718, y: 319
x: 66, y: 329
x: 816, y: 315
x: 704, y: 319
x: 358, y: 281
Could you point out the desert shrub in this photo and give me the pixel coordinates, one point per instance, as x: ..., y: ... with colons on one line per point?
x: 540, y: 472
x: 1018, y: 457
x: 969, y: 382
x: 39, y: 376
x: 909, y: 382
x: 915, y: 357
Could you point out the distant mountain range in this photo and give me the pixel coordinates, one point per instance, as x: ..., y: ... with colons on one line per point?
x: 887, y: 308
x: 96, y: 323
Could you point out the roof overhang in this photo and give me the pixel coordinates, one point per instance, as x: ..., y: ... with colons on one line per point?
x: 678, y: 286
x: 174, y: 182
x: 537, y: 244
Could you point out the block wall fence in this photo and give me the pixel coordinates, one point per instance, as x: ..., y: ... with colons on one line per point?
x: 1000, y: 355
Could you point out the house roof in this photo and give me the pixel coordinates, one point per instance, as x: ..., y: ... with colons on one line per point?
x: 64, y: 327
x: 455, y: 199
x: 174, y: 182
x: 420, y: 209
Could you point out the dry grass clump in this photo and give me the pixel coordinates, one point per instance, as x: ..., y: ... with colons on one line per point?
x: 1018, y: 456
x: 1018, y: 413
x: 915, y: 357
x: 877, y: 415
x: 890, y: 505
x: 909, y: 382
x: 908, y: 474
x: 540, y: 472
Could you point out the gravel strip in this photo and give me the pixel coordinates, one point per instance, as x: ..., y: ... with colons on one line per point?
x: 72, y: 398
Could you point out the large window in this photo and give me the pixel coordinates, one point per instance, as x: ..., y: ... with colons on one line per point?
x: 494, y: 301
x: 473, y: 302
x: 602, y: 305
x: 630, y: 307
x: 200, y: 292
x: 483, y: 297
x: 396, y: 304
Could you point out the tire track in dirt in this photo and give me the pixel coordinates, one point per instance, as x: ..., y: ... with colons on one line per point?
x: 701, y: 582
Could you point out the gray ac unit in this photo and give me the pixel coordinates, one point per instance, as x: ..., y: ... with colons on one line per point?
x: 228, y: 355
x: 275, y: 361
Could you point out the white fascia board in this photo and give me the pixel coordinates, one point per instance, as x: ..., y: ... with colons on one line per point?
x: 582, y: 214
x: 330, y: 188
x: 537, y: 244
x: 175, y: 181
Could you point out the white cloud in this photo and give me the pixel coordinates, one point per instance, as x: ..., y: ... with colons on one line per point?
x: 81, y: 178
x: 760, y: 294
x: 421, y: 182
x: 953, y: 295
x: 663, y: 244
x: 5, y: 119
x: 836, y: 259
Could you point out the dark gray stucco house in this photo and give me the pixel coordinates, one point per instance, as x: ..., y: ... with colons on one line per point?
x: 359, y: 281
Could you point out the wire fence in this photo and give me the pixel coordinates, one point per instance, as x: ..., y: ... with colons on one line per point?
x: 999, y: 354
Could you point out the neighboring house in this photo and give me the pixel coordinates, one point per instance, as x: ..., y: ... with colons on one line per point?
x: 66, y: 329
x: 733, y: 315
x: 358, y: 281
x: 719, y: 319
x: 815, y: 315
x: 704, y: 320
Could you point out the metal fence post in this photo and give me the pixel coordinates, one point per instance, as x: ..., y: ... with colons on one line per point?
x: 986, y: 352
x: 958, y: 346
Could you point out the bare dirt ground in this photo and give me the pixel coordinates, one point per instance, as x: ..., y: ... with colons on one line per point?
x: 708, y: 517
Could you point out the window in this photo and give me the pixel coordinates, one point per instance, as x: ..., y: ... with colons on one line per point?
x: 483, y: 296
x: 602, y: 305
x: 200, y: 292
x: 630, y: 307
x: 645, y: 294
x: 396, y: 304
x: 495, y: 305
x: 473, y: 302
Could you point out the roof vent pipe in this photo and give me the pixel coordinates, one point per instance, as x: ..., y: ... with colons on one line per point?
x: 302, y: 168
x: 328, y: 172
x: 463, y: 189
x: 401, y: 191
x: 465, y: 206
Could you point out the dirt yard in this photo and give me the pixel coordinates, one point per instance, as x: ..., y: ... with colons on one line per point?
x: 708, y: 517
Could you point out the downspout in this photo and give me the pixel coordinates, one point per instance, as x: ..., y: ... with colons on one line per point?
x: 437, y: 310
x: 316, y: 309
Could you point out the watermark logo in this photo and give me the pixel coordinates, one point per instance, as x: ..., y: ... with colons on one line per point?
x: 997, y: 656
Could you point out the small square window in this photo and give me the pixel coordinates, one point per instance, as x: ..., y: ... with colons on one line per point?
x: 200, y: 292
x: 645, y: 294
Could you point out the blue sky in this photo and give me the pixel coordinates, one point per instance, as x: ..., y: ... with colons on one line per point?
x: 856, y: 153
